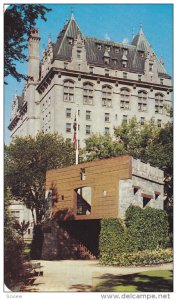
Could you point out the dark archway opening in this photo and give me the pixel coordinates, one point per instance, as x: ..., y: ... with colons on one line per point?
x: 85, y: 232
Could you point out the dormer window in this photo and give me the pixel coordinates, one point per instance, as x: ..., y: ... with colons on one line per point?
x: 108, y: 48
x: 114, y: 61
x: 70, y: 40
x: 79, y: 54
x: 150, y: 67
x: 125, y: 51
x: 124, y: 64
x: 99, y: 46
x: 141, y: 54
x: 106, y: 60
x: 116, y: 50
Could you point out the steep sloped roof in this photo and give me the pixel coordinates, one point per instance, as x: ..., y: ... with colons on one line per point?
x: 142, y: 44
x: 95, y: 54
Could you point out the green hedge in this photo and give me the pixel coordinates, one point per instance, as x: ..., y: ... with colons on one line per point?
x: 145, y: 257
x: 146, y: 228
x: 142, y: 230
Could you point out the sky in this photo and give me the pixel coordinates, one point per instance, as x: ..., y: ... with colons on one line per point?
x: 115, y: 22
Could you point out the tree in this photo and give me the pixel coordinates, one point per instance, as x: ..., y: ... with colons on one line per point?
x: 26, y: 162
x: 152, y: 145
x: 18, y: 19
x: 100, y: 146
x: 137, y: 138
x: 148, y: 143
x: 13, y: 247
x: 21, y: 227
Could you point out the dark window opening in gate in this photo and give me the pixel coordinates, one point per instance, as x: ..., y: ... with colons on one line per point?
x: 146, y: 201
x: 84, y: 200
x: 82, y: 174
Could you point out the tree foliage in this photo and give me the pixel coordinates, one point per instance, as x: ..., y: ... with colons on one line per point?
x: 100, y: 146
x: 148, y: 143
x: 21, y: 227
x: 13, y: 247
x: 27, y: 160
x: 137, y: 138
x: 18, y: 20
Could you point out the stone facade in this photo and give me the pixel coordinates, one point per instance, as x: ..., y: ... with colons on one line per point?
x: 145, y: 188
x: 108, y: 82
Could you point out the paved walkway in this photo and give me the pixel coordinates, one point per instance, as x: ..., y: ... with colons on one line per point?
x: 79, y: 275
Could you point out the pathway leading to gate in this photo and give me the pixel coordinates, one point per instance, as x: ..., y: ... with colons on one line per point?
x: 79, y: 275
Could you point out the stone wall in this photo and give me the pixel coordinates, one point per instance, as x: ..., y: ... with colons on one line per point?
x: 57, y: 243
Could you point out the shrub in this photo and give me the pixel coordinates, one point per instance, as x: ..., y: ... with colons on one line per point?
x: 13, y: 257
x: 144, y: 230
x: 145, y: 257
x: 13, y: 248
x: 112, y: 238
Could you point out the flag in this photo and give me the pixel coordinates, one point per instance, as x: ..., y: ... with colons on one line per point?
x: 75, y: 134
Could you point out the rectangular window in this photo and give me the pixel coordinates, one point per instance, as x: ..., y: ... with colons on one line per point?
x: 125, y: 51
x: 108, y: 48
x: 139, y: 77
x: 106, y: 117
x: 161, y: 81
x: 106, y: 60
x: 150, y: 67
x: 82, y: 174
x: 91, y: 70
x: 106, y: 72
x: 88, y: 115
x: 159, y: 123
x: 124, y: 75
x: 124, y: 119
x: 65, y: 65
x: 68, y: 112
x: 79, y: 54
x: 70, y: 40
x: 68, y: 127
x: 88, y: 129
x: 106, y: 130
x: 124, y: 65
x: 142, y: 120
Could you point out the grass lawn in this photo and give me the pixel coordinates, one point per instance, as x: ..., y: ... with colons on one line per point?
x: 149, y: 281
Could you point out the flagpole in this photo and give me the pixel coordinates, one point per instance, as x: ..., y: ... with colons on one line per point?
x: 77, y: 146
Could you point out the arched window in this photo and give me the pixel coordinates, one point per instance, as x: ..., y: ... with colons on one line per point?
x: 68, y: 90
x: 88, y: 93
x: 159, y: 103
x: 142, y: 100
x: 125, y: 98
x: 107, y: 96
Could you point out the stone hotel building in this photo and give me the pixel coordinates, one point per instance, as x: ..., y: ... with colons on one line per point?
x: 107, y: 82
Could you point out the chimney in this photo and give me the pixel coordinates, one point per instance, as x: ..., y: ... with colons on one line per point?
x: 33, y: 59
